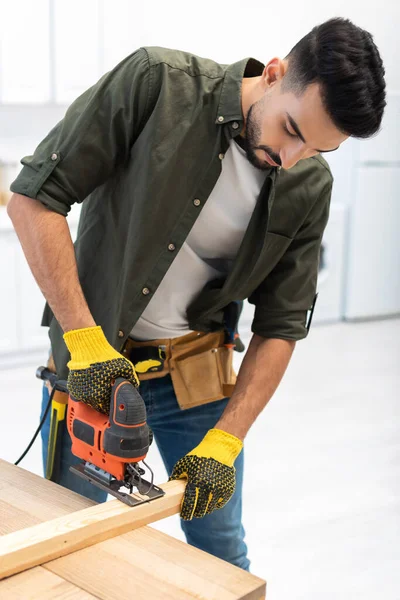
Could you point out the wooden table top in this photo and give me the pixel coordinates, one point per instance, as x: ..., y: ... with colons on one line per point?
x: 144, y: 564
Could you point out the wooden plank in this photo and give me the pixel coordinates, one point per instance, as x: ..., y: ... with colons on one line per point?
x: 140, y: 564
x: 40, y: 543
x: 36, y: 496
x: 39, y: 583
x: 158, y: 558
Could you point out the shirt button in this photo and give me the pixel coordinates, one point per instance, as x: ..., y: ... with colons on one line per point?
x: 235, y: 125
x: 171, y: 247
x: 221, y: 156
x: 220, y: 118
x: 120, y: 333
x: 145, y: 291
x: 54, y: 156
x: 197, y: 202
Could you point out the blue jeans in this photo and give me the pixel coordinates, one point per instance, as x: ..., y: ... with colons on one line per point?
x: 176, y: 432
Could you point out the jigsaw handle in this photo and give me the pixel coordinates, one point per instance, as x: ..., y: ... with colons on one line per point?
x: 127, y: 437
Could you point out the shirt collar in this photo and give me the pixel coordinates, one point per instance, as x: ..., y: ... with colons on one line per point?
x: 230, y: 104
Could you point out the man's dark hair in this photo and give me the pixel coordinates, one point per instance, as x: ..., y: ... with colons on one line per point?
x: 345, y: 61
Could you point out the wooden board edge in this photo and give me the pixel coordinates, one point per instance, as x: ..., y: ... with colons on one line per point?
x: 40, y: 543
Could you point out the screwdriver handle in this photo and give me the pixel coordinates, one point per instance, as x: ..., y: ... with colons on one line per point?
x: 59, y: 401
x: 45, y: 374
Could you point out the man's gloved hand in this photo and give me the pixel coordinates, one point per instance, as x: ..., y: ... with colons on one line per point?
x: 94, y: 363
x: 210, y: 473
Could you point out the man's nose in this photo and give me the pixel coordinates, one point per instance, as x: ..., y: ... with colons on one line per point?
x: 290, y: 156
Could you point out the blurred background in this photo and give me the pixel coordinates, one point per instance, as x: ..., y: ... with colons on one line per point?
x: 322, y: 491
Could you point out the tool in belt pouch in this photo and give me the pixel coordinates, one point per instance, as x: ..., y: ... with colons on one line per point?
x: 199, y: 364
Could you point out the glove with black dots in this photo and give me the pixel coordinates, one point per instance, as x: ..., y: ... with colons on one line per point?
x: 210, y: 474
x: 93, y: 366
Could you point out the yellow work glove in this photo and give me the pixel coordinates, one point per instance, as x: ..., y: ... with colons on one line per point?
x: 210, y: 473
x: 94, y: 364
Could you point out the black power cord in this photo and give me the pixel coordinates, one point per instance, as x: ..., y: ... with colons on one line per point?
x: 46, y: 375
x: 29, y: 446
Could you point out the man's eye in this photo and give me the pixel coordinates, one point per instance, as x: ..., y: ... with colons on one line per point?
x: 294, y: 135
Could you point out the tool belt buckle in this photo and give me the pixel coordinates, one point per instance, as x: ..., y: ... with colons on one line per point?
x: 148, y: 359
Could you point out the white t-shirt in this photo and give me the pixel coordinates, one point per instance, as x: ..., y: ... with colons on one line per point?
x: 208, y: 251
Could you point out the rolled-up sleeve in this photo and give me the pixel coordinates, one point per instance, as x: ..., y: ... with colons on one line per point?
x: 285, y: 298
x: 93, y: 138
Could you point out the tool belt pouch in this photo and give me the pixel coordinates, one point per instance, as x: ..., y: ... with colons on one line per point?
x: 201, y: 369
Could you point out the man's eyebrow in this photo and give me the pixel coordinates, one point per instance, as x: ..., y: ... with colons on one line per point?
x: 297, y: 130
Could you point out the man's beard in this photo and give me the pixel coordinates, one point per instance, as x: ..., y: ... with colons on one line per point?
x: 252, y: 139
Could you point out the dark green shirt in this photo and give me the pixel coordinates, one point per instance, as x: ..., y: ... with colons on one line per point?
x: 142, y: 149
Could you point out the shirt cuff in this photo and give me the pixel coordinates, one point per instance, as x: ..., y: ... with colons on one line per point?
x: 28, y: 183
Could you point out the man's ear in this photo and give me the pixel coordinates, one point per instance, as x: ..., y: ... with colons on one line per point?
x: 274, y: 71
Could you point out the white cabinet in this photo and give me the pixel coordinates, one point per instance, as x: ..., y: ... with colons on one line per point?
x: 21, y: 301
x: 8, y: 296
x: 373, y: 275
x: 77, y: 57
x: 29, y: 303
x: 24, y: 51
x: 373, y: 252
x: 329, y: 305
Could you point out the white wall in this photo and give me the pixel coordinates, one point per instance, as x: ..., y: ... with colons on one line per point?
x: 229, y: 30
x: 225, y: 31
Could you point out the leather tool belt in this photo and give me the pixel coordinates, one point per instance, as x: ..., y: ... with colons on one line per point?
x: 199, y: 363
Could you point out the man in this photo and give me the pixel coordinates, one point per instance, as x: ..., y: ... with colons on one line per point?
x: 202, y: 185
